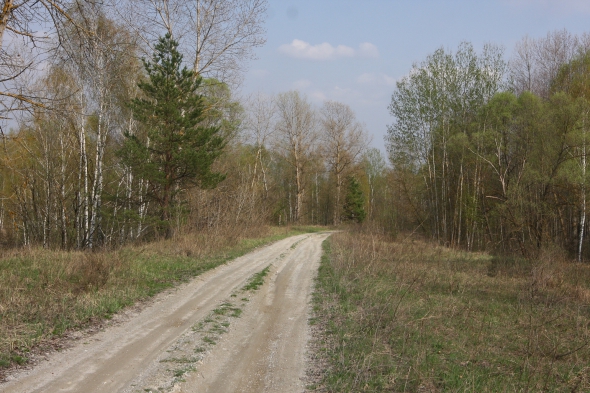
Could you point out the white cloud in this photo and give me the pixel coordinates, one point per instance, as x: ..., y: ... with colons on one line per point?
x: 376, y: 79
x: 366, y: 49
x: 304, y: 50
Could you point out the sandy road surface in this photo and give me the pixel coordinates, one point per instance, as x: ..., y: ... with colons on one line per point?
x: 262, y: 350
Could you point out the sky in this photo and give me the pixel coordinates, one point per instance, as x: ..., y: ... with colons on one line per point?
x: 355, y: 51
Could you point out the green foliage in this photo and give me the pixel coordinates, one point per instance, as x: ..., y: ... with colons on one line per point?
x: 174, y: 150
x: 526, y: 146
x: 574, y: 77
x: 481, y: 167
x: 435, y: 110
x: 354, y: 203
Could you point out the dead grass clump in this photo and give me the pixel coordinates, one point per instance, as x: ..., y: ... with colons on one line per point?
x: 92, y: 271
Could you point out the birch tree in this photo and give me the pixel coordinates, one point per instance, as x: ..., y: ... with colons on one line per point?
x: 574, y: 79
x: 259, y: 127
x: 433, y: 109
x: 296, y: 135
x: 343, y: 142
x: 103, y: 66
x: 217, y: 37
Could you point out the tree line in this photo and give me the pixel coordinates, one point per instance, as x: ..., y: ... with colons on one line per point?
x: 96, y: 150
x: 489, y: 154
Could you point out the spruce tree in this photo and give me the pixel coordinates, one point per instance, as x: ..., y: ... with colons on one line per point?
x: 354, y: 205
x: 173, y: 150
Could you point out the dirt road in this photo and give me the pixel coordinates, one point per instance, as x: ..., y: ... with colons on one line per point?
x: 214, y: 334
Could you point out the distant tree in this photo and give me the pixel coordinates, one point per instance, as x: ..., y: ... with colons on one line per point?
x: 354, y: 205
x: 574, y: 79
x: 343, y: 142
x: 259, y: 126
x: 375, y: 169
x: 296, y: 137
x: 177, y: 151
x: 537, y: 61
x: 434, y: 109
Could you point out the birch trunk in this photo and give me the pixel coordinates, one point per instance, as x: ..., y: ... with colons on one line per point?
x: 84, y: 212
x: 583, y: 207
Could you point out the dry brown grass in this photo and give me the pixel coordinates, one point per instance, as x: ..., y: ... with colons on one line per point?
x: 412, y: 316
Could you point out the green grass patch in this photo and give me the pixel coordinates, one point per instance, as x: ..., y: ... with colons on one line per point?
x: 236, y: 312
x: 179, y: 373
x: 183, y: 360
x: 413, y: 317
x: 209, y: 340
x: 256, y: 280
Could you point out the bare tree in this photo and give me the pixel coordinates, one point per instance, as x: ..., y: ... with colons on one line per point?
x: 375, y: 167
x: 218, y: 37
x: 295, y: 138
x: 259, y: 126
x: 536, y: 62
x: 343, y: 142
x: 224, y: 35
x: 27, y: 30
x: 104, y: 66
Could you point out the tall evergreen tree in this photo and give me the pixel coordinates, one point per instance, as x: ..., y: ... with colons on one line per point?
x: 175, y: 150
x: 354, y: 205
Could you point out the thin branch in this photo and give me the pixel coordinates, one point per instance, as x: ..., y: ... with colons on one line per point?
x: 23, y: 99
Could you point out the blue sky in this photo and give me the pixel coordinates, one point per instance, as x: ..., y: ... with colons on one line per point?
x: 354, y: 51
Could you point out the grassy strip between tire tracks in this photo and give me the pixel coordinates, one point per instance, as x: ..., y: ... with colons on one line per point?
x: 44, y: 294
x: 413, y: 317
x: 184, y: 356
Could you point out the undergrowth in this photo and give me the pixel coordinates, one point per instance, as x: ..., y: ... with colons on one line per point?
x: 414, y: 317
x: 44, y: 293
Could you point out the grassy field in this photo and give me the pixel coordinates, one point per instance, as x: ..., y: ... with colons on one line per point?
x: 44, y: 294
x: 412, y: 317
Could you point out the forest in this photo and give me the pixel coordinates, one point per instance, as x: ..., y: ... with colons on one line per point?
x: 491, y: 154
x: 100, y: 148
x: 85, y: 164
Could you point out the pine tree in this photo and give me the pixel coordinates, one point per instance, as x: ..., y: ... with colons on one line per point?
x: 354, y: 205
x: 174, y: 150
